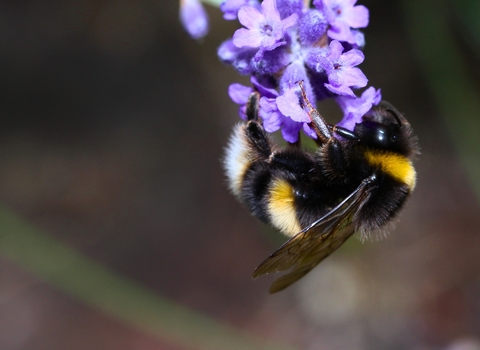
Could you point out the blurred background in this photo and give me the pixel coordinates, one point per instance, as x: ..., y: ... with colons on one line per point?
x: 116, y: 227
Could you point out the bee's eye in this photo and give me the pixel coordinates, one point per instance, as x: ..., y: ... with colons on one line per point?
x: 377, y: 134
x: 381, y: 135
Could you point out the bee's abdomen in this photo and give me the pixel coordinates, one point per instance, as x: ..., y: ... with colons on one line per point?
x: 237, y: 159
x: 281, y: 207
x: 396, y: 180
x: 383, y: 204
x: 395, y: 165
x: 254, y: 192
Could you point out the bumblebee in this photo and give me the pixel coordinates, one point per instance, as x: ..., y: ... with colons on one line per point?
x: 355, y: 181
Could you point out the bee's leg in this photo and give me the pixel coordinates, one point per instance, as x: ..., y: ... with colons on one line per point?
x: 318, y: 122
x: 331, y: 151
x: 253, y: 105
x: 258, y: 140
x: 349, y: 135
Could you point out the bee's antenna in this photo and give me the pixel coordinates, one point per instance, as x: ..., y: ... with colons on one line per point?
x: 400, y: 119
x: 395, y: 115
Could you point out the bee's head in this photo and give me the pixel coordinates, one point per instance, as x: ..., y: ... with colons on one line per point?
x: 385, y: 128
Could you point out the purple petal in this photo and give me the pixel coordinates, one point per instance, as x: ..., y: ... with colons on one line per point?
x: 289, y: 105
x: 377, y: 97
x: 357, y: 17
x: 311, y: 27
x: 319, y: 4
x: 354, y: 108
x: 290, y: 130
x: 289, y: 21
x: 230, y: 8
x: 324, y: 64
x: 272, y: 119
x: 268, y: 105
x: 273, y: 122
x: 309, y: 131
x: 313, y: 57
x: 359, y: 39
x: 250, y: 17
x: 227, y: 52
x: 348, y: 122
x: 269, y: 9
x: 342, y: 90
x: 239, y: 93
x: 336, y: 50
x: 247, y: 38
x: 287, y: 7
x: 239, y: 58
x: 270, y: 43
x: 263, y: 87
x: 352, y: 77
x: 270, y: 62
x: 352, y: 58
x: 341, y: 31
x: 295, y: 73
x: 194, y: 18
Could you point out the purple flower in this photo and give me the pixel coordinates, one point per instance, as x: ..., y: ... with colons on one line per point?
x: 341, y: 71
x: 343, y: 15
x: 294, y: 73
x: 272, y: 117
x: 283, y: 42
x: 288, y: 7
x: 194, y: 18
x: 271, y: 62
x: 230, y: 7
x: 285, y: 112
x: 264, y: 30
x: 239, y: 58
x: 311, y: 27
x: 288, y: 105
x: 240, y: 94
x: 354, y: 108
x: 264, y: 86
x: 273, y: 120
x: 359, y: 38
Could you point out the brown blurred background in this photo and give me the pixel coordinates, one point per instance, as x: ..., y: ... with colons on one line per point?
x: 112, y: 126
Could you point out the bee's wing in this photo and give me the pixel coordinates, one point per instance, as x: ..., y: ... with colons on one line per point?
x: 309, y: 247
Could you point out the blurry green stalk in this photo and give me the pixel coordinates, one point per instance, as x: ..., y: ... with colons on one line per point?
x: 213, y: 2
x: 118, y: 296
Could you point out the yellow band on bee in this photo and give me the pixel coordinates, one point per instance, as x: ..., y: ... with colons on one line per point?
x: 396, y: 165
x: 281, y: 207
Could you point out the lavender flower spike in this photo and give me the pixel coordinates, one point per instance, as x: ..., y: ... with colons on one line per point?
x: 283, y: 42
x: 194, y: 18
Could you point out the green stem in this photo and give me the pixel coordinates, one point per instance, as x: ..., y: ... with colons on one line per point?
x: 122, y: 298
x: 213, y: 2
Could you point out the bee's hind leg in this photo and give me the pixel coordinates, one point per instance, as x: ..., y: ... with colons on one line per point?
x: 258, y: 140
